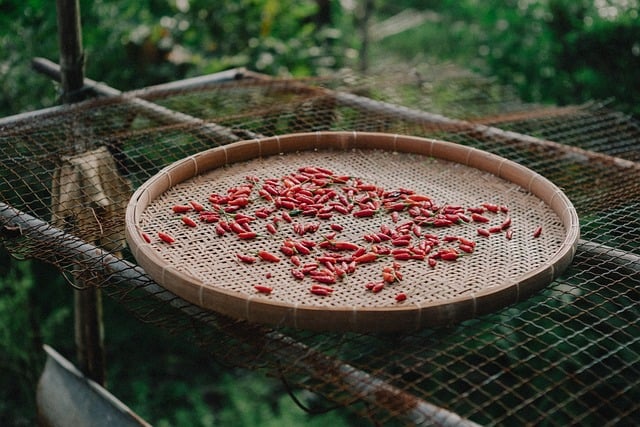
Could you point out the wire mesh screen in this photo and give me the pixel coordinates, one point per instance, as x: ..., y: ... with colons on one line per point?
x: 568, y: 355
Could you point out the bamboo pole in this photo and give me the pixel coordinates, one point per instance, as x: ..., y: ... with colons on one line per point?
x: 89, y: 329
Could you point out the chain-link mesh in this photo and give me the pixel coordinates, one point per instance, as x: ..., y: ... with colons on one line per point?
x: 568, y: 355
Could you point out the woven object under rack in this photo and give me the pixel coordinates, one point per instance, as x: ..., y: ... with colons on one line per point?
x: 568, y: 355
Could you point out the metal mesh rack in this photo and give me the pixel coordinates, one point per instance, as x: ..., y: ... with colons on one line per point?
x: 570, y: 354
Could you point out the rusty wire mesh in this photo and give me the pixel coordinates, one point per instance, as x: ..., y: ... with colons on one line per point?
x: 568, y: 355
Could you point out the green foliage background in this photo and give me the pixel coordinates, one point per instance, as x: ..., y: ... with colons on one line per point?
x: 550, y: 51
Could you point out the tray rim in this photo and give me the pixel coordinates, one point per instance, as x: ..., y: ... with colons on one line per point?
x: 409, y: 316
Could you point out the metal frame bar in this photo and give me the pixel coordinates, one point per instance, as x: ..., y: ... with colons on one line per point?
x: 165, y: 115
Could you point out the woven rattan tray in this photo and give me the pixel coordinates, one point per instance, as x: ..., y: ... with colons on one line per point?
x: 203, y: 267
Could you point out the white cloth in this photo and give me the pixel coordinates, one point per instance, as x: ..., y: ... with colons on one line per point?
x: 89, y: 198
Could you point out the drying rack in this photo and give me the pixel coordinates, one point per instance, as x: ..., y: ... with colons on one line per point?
x: 569, y: 354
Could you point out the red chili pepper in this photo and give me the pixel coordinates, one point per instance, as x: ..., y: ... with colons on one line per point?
x: 308, y: 268
x: 298, y: 274
x: 401, y: 250
x: 372, y: 238
x: 336, y: 227
x: 466, y: 248
x: 367, y: 257
x: 188, y: 221
x: 308, y: 243
x: 263, y: 289
x: 340, y: 209
x: 509, y: 234
x: 484, y: 232
x: 396, y: 206
x: 537, y: 232
x: 465, y: 241
x: 220, y: 231
x: 477, y: 210
x: 345, y: 246
x: 237, y: 192
x: 417, y: 250
x: 240, y: 201
x: 246, y: 258
x: 323, y: 276
x: 287, y: 250
x: 381, y: 250
x: 247, y: 235
x: 442, y: 222
x: 495, y: 229
x: 166, y: 237
x: 401, y: 241
x: 301, y: 249
x: 506, y: 223
x: 340, y: 179
x: 209, y: 217
x: 377, y: 287
x: 491, y: 207
x: 271, y: 228
x: 243, y: 219
x: 432, y: 262
x: 402, y: 256
x: 453, y: 217
x: 323, y: 287
x: 320, y: 292
x: 476, y: 217
x: 401, y: 296
x: 388, y: 277
x: 287, y: 204
x: 236, y: 227
x: 181, y: 208
x: 464, y: 217
x: 414, y: 211
x: 218, y: 199
x: 268, y: 256
x: 366, y: 187
x: 364, y: 213
x: 262, y: 213
x: 418, y: 198
x: 145, y: 237
x: 449, y: 256
x: 196, y: 206
x: 265, y: 194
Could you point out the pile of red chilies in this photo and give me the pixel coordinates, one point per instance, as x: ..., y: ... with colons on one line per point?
x: 309, y: 198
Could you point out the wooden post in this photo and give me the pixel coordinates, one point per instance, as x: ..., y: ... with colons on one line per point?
x: 365, y: 18
x: 71, y: 54
x: 89, y: 330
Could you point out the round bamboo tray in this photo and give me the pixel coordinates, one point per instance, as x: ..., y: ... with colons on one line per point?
x: 202, y: 267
